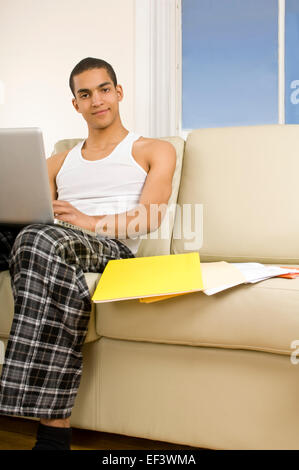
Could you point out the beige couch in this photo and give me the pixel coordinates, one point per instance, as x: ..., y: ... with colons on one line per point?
x: 212, y: 372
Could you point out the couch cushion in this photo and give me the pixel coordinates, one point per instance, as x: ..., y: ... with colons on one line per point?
x: 246, y: 178
x: 157, y: 242
x: 7, y: 305
x: 262, y: 317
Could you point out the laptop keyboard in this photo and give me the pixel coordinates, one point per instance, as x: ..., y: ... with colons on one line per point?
x: 74, y: 227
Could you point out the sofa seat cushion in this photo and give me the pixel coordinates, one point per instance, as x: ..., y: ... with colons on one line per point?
x: 7, y: 305
x: 262, y: 317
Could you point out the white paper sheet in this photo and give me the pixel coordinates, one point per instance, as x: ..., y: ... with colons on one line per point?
x: 252, y: 272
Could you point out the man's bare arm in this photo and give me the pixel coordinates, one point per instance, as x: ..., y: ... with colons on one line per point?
x: 148, y: 214
x: 54, y: 164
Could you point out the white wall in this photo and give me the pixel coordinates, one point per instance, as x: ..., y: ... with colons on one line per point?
x: 40, y: 43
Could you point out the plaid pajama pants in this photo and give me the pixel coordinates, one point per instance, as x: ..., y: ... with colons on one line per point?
x: 43, y: 359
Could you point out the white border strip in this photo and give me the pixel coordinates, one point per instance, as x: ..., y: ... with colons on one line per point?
x: 179, y: 69
x: 281, y: 61
x: 142, y: 67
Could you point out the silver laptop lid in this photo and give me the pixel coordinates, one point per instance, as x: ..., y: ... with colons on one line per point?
x: 25, y: 195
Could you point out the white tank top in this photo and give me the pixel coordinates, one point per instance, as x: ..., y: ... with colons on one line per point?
x: 109, y: 185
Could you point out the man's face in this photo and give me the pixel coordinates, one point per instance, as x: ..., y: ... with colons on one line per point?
x: 96, y: 98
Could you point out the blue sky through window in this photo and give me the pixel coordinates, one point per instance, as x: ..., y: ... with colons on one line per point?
x: 230, y: 62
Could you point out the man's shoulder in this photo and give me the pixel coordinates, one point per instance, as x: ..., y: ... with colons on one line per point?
x: 55, y: 161
x: 156, y: 153
x: 154, y: 143
x: 58, y: 156
x: 151, y: 147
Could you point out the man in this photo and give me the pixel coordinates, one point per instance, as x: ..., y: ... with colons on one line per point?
x: 107, y: 184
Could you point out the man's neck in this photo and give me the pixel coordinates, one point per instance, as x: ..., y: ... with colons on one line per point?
x: 100, y: 139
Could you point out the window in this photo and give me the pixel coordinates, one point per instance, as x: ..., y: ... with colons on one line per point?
x: 230, y: 62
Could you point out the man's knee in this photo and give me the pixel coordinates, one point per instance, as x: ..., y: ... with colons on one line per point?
x: 42, y: 236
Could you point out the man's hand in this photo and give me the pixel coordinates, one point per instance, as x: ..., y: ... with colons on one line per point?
x: 63, y: 210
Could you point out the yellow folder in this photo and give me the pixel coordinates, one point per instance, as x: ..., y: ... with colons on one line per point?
x: 149, y: 277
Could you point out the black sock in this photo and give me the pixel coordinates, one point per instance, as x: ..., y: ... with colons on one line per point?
x: 53, y: 438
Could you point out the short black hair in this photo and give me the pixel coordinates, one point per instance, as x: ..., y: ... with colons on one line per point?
x: 90, y: 63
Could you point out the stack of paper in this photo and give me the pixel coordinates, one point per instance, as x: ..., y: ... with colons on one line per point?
x: 255, y: 272
x: 251, y: 273
x: 154, y: 278
x: 216, y: 277
x: 220, y: 275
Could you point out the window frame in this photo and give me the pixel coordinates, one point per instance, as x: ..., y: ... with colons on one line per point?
x: 158, y: 67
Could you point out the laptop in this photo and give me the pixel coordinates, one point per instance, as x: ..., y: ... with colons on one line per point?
x: 25, y: 195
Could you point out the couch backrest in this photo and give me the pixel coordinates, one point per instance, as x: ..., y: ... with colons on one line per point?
x: 246, y: 178
x: 159, y: 241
